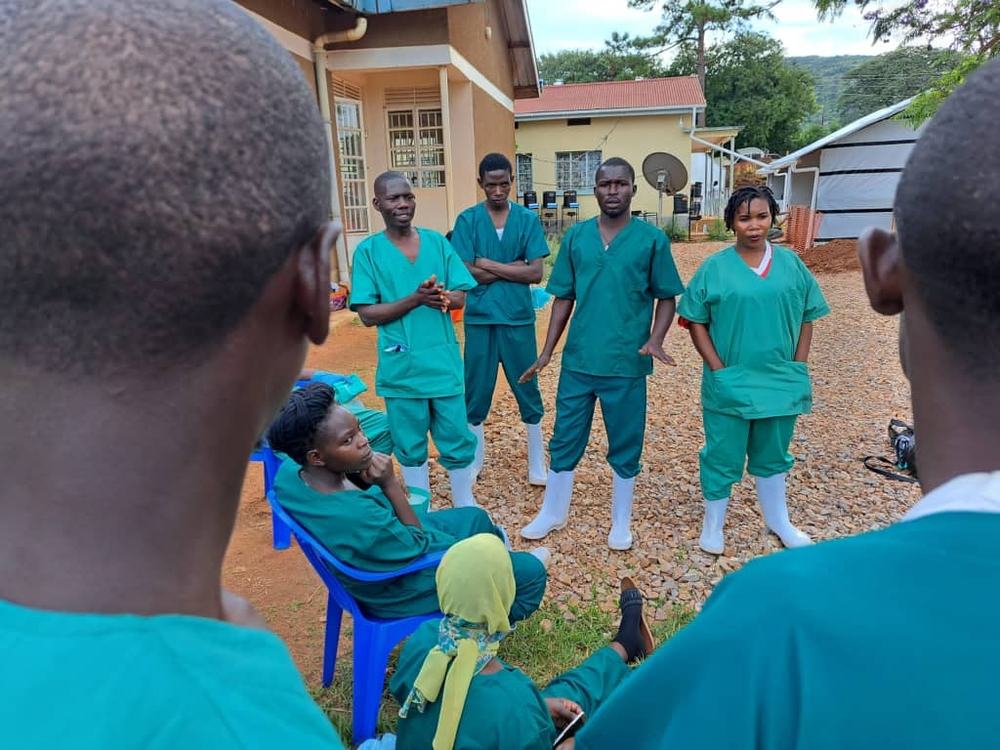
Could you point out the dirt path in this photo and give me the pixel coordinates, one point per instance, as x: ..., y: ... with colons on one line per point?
x: 858, y: 386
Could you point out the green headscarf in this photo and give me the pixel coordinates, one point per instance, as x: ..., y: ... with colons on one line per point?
x: 475, y: 585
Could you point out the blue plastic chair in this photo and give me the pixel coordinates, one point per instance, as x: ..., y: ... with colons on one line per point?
x: 374, y: 639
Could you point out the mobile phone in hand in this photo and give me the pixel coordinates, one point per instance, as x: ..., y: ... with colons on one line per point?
x: 571, y: 729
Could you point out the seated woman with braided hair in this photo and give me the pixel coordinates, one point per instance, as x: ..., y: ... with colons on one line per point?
x: 349, y: 498
x: 454, y: 691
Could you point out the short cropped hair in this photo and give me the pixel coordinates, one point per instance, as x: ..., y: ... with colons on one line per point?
x: 946, y: 205
x: 385, y: 178
x: 616, y: 161
x: 494, y: 163
x: 152, y: 182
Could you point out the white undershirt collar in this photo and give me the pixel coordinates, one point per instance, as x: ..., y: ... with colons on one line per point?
x: 968, y: 493
x: 765, y: 261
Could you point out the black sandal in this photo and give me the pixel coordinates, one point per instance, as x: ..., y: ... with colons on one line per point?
x: 632, y: 597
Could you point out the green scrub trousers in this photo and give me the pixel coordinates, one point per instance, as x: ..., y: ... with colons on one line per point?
x: 732, y: 442
x: 489, y: 346
x: 623, y: 404
x: 411, y: 418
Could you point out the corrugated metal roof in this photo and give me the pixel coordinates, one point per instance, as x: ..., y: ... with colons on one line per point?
x: 862, y: 122
x: 580, y: 98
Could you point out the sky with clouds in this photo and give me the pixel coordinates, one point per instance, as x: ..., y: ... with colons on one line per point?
x: 570, y: 24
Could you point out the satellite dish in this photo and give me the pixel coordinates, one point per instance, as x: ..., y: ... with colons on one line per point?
x: 666, y: 173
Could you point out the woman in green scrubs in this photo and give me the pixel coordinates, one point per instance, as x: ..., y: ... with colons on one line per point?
x: 750, y: 309
x: 349, y: 498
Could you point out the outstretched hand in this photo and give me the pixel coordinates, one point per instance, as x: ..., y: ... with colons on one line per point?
x: 536, y: 368
x: 655, y: 350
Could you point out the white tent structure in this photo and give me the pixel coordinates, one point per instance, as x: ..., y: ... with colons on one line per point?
x: 848, y: 176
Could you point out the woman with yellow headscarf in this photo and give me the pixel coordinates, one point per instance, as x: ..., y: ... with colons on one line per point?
x: 457, y: 695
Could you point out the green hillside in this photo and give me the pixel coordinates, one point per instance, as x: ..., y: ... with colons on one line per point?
x: 828, y: 72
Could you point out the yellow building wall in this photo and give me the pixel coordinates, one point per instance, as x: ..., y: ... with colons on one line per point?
x: 631, y: 138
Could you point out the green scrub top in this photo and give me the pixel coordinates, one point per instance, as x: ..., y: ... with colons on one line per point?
x: 503, y: 711
x: 91, y: 682
x: 501, y: 302
x: 754, y: 323
x: 614, y: 290
x: 418, y: 355
x: 883, y: 640
x: 360, y: 528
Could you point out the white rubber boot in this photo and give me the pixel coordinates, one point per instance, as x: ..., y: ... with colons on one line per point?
x: 417, y: 476
x: 543, y: 555
x: 555, y: 506
x: 711, y: 540
x: 479, y: 430
x: 622, y: 491
x: 774, y: 507
x: 537, y: 473
x: 461, y: 487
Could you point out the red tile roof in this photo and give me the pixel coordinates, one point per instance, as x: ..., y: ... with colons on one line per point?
x: 653, y: 93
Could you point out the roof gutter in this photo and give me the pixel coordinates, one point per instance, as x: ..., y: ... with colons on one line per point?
x: 723, y: 149
x: 342, y: 269
x: 632, y: 112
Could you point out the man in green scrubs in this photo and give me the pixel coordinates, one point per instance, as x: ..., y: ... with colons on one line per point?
x: 164, y: 264
x: 405, y: 280
x: 887, y: 639
x: 611, y: 269
x: 502, y: 245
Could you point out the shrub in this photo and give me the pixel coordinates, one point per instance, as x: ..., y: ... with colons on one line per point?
x: 717, y: 231
x: 676, y: 230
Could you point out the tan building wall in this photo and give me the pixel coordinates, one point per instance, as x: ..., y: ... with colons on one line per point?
x: 467, y: 26
x: 415, y: 27
x: 494, y: 127
x: 631, y: 138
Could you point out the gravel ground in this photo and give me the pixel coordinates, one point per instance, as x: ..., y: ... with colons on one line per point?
x: 858, y: 387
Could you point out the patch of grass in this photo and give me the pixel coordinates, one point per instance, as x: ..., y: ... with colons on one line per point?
x: 717, y: 231
x: 544, y: 646
x: 676, y: 230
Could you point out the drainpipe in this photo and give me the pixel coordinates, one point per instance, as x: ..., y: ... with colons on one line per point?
x: 341, y: 266
x: 815, y: 171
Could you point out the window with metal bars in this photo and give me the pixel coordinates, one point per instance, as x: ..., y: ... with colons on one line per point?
x: 575, y: 170
x: 525, y: 173
x: 416, y: 144
x: 353, y: 175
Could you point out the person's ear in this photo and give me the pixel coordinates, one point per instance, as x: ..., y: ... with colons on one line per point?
x: 312, y: 458
x: 882, y: 268
x: 313, y: 285
x: 479, y: 181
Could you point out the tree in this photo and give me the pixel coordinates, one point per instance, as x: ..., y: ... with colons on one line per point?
x: 749, y: 83
x: 892, y: 77
x: 687, y: 23
x: 583, y: 66
x: 969, y: 27
x: 811, y: 132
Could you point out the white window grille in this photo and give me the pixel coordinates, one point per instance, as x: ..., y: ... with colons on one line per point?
x: 525, y: 174
x: 416, y: 135
x: 575, y: 170
x: 353, y: 175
